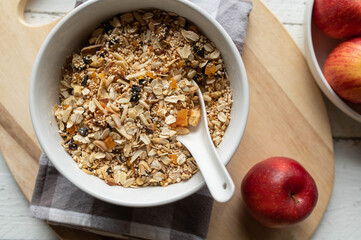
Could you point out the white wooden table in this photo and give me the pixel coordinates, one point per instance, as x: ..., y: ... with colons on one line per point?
x: 343, y: 216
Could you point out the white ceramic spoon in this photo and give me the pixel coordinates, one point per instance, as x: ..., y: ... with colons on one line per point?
x: 200, y: 144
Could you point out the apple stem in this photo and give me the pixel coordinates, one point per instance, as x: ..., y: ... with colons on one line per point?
x: 294, y: 198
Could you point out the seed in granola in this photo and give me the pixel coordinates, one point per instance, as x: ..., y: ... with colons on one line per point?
x: 85, y: 80
x: 109, y: 170
x: 101, y: 145
x: 72, y: 145
x: 83, y: 131
x: 199, y: 51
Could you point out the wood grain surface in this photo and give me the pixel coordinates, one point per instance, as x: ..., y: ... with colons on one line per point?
x: 287, y: 118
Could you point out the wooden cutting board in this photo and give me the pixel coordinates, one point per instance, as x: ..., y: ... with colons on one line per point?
x: 287, y: 118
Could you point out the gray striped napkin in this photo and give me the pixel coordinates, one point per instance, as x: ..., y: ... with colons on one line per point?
x: 59, y: 202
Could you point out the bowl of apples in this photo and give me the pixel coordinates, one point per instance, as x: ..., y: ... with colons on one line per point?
x: 333, y: 51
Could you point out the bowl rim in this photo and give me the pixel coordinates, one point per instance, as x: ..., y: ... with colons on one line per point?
x: 316, y: 69
x: 43, y: 141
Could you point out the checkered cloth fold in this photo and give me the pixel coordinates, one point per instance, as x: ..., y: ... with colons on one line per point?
x: 59, y: 202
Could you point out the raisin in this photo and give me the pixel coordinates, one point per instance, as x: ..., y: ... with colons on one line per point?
x: 114, y: 41
x: 134, y: 97
x: 80, y: 68
x: 107, y: 27
x: 117, y: 151
x: 83, y: 131
x: 72, y: 145
x: 158, y: 51
x: 102, y: 55
x: 141, y: 43
x: 149, y: 131
x: 86, y: 60
x: 204, y: 69
x: 124, y: 78
x: 186, y: 25
x: 121, y: 159
x: 199, y: 78
x: 85, y: 80
x: 109, y: 170
x: 136, y: 89
x: 200, y: 52
x: 142, y: 82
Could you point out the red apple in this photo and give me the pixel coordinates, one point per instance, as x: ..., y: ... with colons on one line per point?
x: 338, y: 18
x: 279, y: 192
x: 342, y: 70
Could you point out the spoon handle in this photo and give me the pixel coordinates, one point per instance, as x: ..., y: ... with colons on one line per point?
x: 218, y: 180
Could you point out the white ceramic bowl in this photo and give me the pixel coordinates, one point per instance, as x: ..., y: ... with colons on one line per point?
x: 66, y: 37
x: 317, y: 47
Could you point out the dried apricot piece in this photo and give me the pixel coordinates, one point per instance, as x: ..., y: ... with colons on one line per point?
x: 173, y: 83
x: 182, y: 118
x: 94, y: 76
x: 210, y: 69
x: 110, y: 142
x: 150, y: 74
x: 164, y: 183
x: 71, y: 130
x: 180, y: 64
x: 173, y: 158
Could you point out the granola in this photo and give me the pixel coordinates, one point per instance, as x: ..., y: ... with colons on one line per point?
x: 128, y: 93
